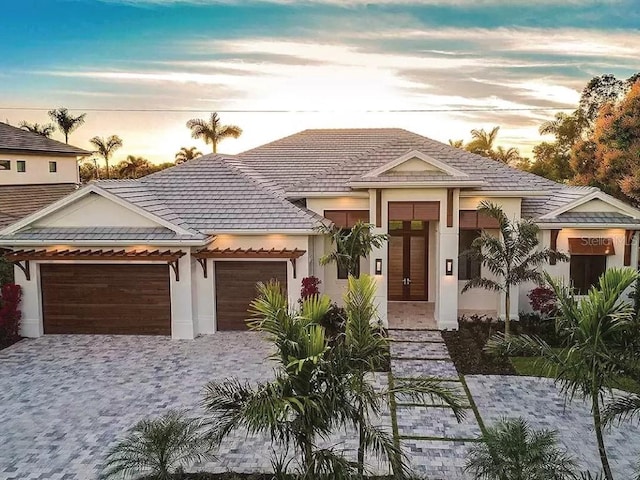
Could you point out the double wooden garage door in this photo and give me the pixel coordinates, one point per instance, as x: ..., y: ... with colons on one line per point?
x: 106, y: 299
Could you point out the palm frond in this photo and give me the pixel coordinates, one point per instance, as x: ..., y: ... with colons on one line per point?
x: 431, y: 391
x: 622, y: 408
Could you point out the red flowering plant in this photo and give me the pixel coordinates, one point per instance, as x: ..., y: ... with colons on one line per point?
x: 309, y: 287
x: 10, y: 314
x: 543, y: 301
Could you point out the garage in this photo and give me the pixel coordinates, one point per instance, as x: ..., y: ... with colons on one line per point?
x: 117, y: 299
x: 236, y: 289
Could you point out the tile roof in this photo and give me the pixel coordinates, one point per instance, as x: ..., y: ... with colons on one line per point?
x: 16, y: 139
x: 17, y: 201
x: 212, y: 193
x: 327, y: 160
x: 94, y: 234
x: 594, y: 217
x: 533, y: 207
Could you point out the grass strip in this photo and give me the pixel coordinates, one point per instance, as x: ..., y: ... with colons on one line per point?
x: 423, y: 359
x: 417, y: 379
x: 473, y: 405
x: 438, y: 439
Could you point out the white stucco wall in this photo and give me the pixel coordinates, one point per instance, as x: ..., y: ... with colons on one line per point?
x: 37, y: 169
x: 319, y: 205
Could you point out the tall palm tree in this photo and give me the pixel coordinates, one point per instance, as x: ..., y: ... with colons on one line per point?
x: 482, y: 141
x: 351, y: 245
x: 185, y: 154
x: 600, y: 335
x: 507, y: 156
x: 134, y: 167
x: 106, y: 147
x: 512, y: 258
x: 512, y: 450
x: 212, y: 131
x: 46, y: 129
x: 66, y: 122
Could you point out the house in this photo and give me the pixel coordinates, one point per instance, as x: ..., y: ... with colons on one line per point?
x: 34, y: 171
x: 179, y: 252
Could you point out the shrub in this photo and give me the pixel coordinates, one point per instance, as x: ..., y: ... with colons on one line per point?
x: 10, y: 314
x: 6, y: 271
x: 543, y: 300
x: 334, y: 321
x: 310, y: 287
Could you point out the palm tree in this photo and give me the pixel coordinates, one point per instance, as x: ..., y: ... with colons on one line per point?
x: 157, y: 448
x: 512, y: 450
x: 134, y: 167
x: 456, y: 143
x: 512, y: 258
x: 185, y: 154
x: 482, y: 142
x: 46, y: 129
x: 212, y: 132
x: 106, y: 147
x: 600, y: 336
x: 507, y: 156
x: 351, y: 245
x: 66, y: 122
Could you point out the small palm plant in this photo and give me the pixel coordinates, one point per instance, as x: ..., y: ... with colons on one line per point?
x: 600, y: 337
x: 157, y: 448
x: 351, y: 245
x: 512, y: 450
x: 512, y: 258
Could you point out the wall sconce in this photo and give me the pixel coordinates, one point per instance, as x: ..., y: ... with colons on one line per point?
x: 448, y: 266
x: 378, y: 266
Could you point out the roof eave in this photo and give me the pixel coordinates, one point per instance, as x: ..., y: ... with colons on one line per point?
x: 6, y: 242
x: 429, y: 184
x: 54, y: 153
x: 586, y: 226
x: 504, y: 193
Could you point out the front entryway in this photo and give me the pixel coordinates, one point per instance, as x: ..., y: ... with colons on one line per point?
x: 408, y: 260
x: 411, y: 315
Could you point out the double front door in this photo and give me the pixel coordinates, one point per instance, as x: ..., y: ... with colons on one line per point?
x: 408, y: 260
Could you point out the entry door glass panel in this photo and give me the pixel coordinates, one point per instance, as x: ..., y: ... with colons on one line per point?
x: 396, y: 267
x: 417, y: 268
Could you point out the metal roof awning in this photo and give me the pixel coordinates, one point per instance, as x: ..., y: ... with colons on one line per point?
x: 21, y: 258
x: 591, y: 246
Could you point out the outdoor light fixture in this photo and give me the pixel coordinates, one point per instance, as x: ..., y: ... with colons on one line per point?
x: 448, y: 266
x: 378, y: 266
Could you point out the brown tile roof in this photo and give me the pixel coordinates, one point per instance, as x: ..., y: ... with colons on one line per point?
x: 16, y: 139
x: 17, y: 201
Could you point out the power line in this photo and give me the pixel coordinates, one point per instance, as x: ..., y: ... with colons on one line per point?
x: 399, y: 110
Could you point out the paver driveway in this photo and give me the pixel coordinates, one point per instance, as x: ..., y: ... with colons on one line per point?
x: 65, y: 399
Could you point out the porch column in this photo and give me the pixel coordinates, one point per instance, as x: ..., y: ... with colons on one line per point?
x: 31, y: 324
x: 446, y: 308
x: 182, y: 314
x: 203, y: 296
x: 378, y: 217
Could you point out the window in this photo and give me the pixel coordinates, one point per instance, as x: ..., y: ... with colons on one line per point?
x: 468, y: 265
x: 585, y: 270
x: 343, y: 274
x: 53, y: 167
x: 21, y: 166
x: 5, y: 164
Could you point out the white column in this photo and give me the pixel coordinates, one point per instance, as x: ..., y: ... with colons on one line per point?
x: 203, y: 297
x: 381, y: 254
x: 182, y: 315
x: 31, y: 324
x: 294, y: 285
x: 446, y: 308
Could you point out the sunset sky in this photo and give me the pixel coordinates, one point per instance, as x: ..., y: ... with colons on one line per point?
x: 321, y: 64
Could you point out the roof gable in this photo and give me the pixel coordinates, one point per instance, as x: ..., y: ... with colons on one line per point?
x: 415, y: 162
x: 594, y: 201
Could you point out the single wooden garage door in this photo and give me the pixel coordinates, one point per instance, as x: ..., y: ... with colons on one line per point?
x: 106, y: 299
x: 236, y: 289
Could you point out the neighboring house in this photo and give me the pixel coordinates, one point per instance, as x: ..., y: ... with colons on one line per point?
x: 34, y: 171
x: 179, y: 252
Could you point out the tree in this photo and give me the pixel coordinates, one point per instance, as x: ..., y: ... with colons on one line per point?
x: 507, y: 156
x: 482, y: 141
x: 351, y: 245
x: 66, y: 122
x: 157, y: 448
x: 456, y: 143
x: 106, y: 147
x: 602, y: 90
x: 185, y: 154
x: 134, y: 167
x: 600, y: 335
x: 512, y: 258
x: 512, y: 450
x: 46, y: 129
x: 212, y: 131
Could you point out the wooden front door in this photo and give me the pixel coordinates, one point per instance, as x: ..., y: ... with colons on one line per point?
x: 408, y: 260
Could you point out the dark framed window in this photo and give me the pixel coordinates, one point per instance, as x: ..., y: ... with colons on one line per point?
x: 468, y: 265
x: 21, y: 166
x: 53, y: 167
x: 5, y: 164
x: 585, y: 270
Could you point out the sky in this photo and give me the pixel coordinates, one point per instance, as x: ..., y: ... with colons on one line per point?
x: 141, y: 68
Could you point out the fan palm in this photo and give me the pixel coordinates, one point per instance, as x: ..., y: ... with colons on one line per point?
x: 66, y: 122
x: 512, y: 450
x: 106, y: 147
x: 185, y: 154
x: 351, y: 245
x: 46, y: 129
x: 157, y: 448
x: 134, y: 167
x: 600, y: 335
x: 512, y: 258
x: 482, y: 141
x: 212, y: 131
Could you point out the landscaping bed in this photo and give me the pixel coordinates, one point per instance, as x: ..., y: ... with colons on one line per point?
x: 466, y: 344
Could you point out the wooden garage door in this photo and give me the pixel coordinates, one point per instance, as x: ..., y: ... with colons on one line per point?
x: 106, y: 299
x: 236, y: 289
